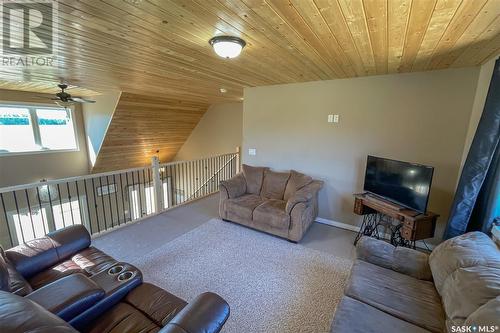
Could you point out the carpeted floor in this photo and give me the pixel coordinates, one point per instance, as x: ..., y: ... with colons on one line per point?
x: 271, y: 285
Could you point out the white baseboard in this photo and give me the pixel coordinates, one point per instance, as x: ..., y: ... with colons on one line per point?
x: 356, y: 228
x: 337, y: 224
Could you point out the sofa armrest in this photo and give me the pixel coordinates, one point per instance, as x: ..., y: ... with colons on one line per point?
x: 206, y: 314
x: 234, y: 187
x: 399, y: 259
x: 68, y: 296
x: 305, y: 194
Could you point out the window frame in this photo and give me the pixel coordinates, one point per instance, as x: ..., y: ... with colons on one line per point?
x: 32, y: 107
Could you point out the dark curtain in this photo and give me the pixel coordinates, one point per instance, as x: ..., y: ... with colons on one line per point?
x: 476, y: 200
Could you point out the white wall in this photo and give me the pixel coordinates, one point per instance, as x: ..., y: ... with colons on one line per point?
x: 483, y: 84
x: 417, y: 117
x: 218, y: 132
x: 97, y: 117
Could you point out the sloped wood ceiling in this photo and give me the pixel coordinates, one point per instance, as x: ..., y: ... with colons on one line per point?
x: 153, y: 47
x: 143, y: 125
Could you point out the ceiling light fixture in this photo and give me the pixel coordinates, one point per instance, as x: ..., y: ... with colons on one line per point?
x: 227, y: 46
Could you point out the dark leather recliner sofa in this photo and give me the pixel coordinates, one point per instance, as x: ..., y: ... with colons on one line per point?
x: 62, y: 275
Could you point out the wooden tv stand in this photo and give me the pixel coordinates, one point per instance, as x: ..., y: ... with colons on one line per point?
x: 406, y: 225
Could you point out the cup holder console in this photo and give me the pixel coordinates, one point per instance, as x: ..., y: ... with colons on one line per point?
x: 117, y: 269
x: 120, y: 276
x: 126, y: 276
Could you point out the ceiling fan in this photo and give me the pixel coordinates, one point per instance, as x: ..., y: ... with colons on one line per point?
x: 64, y: 99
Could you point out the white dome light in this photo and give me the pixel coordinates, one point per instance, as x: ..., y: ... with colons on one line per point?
x: 227, y: 46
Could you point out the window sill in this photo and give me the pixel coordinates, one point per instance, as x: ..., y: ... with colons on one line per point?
x: 37, y: 152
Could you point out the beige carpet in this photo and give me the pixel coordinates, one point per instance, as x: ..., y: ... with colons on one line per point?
x: 271, y: 285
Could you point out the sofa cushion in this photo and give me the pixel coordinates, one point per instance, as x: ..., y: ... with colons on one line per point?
x: 122, y: 318
x: 88, y: 262
x: 93, y: 260
x: 470, y: 249
x: 468, y: 288
x: 253, y: 177
x: 57, y: 272
x: 486, y: 315
x: 242, y: 207
x: 38, y: 254
x: 296, y: 181
x: 272, y: 213
x: 352, y: 316
x: 274, y: 184
x: 157, y: 304
x: 415, y: 301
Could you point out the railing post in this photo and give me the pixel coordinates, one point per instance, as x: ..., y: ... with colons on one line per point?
x: 238, y: 159
x: 158, y: 186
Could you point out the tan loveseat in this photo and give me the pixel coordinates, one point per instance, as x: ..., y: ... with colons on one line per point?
x: 391, y: 289
x: 280, y: 203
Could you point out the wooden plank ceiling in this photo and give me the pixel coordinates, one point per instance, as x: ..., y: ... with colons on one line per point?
x: 132, y: 139
x: 160, y: 47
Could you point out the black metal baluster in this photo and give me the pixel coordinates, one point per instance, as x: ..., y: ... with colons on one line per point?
x: 87, y: 199
x: 109, y: 201
x: 79, y: 204
x: 128, y: 196
x: 29, y: 209
x: 70, y: 206
x: 116, y: 200
x: 41, y: 210
x: 94, y: 190
x: 102, y: 204
x: 139, y: 192
x: 51, y: 207
x: 7, y: 220
x: 123, y: 200
x: 18, y: 215
x: 60, y: 203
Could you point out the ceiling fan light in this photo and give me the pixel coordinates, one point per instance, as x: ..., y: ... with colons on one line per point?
x: 227, y: 46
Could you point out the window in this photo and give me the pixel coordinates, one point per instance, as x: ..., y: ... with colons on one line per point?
x: 26, y: 129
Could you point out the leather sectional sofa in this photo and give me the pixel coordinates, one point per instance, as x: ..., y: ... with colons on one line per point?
x: 280, y: 203
x: 61, y: 283
x: 398, y: 289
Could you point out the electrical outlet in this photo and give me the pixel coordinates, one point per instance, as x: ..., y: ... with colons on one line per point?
x: 335, y: 118
x: 330, y: 118
x: 252, y: 151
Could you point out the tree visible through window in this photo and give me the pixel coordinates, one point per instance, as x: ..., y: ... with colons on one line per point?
x: 33, y: 128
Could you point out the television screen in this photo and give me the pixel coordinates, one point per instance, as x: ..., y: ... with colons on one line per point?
x: 407, y: 184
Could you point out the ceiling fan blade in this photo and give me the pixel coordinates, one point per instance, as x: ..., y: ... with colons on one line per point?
x: 82, y: 100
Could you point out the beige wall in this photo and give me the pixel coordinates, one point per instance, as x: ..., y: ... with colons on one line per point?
x: 218, y: 132
x: 418, y: 117
x: 29, y: 168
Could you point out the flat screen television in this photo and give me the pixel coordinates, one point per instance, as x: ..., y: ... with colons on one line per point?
x: 407, y: 184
